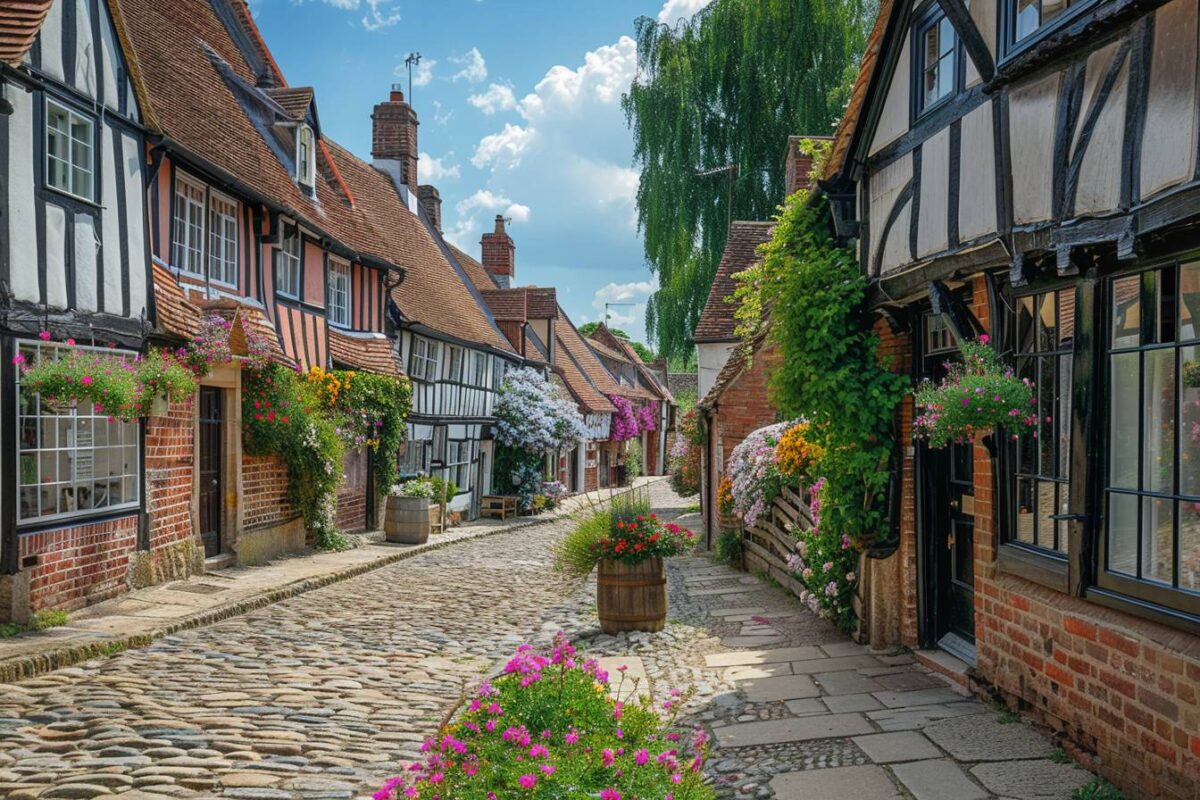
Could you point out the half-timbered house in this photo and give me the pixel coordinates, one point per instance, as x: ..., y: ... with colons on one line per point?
x: 639, y: 385
x: 74, y: 263
x: 1029, y: 170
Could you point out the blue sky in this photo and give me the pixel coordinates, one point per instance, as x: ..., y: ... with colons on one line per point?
x: 519, y: 102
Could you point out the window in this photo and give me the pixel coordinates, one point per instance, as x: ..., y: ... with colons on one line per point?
x: 72, y: 461
x: 424, y: 359
x: 415, y: 460
x: 456, y: 363
x: 339, y: 293
x: 936, y: 51
x: 222, y: 240
x: 70, y: 141
x: 1150, y: 542
x: 479, y: 376
x: 188, y: 252
x: 288, y: 264
x: 499, y: 365
x: 458, y: 464
x: 306, y: 166
x: 1027, y: 16
x: 1045, y: 351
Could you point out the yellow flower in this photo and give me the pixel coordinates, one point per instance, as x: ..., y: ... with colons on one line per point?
x: 795, y: 455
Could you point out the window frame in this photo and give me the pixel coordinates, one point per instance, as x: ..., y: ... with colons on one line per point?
x: 1010, y: 46
x: 69, y: 168
x: 454, y: 372
x: 306, y: 161
x: 925, y: 19
x: 479, y: 370
x: 459, y: 471
x: 181, y: 260
x: 416, y: 450
x: 132, y: 477
x: 1153, y: 598
x: 290, y: 264
x: 427, y: 354
x: 338, y: 270
x: 214, y: 198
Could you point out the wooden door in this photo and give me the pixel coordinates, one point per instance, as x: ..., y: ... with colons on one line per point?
x: 211, y: 458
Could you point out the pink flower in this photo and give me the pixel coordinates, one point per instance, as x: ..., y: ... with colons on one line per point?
x: 641, y: 757
x: 572, y: 737
x: 44, y: 336
x: 86, y: 380
x: 70, y: 342
x: 984, y: 338
x: 607, y: 757
x: 527, y: 781
x: 610, y: 794
x: 549, y: 769
x: 19, y: 358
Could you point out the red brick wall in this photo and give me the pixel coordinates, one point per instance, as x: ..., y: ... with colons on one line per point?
x: 264, y: 493
x: 79, y: 566
x: 170, y: 461
x: 352, y: 508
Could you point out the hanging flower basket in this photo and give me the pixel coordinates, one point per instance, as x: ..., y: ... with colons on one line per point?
x: 978, y: 395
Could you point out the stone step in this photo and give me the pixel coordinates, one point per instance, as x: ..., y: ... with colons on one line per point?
x: 945, y: 664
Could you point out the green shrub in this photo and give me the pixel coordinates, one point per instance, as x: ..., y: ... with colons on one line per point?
x: 1097, y: 789
x: 729, y: 547
x: 547, y: 729
x: 575, y: 554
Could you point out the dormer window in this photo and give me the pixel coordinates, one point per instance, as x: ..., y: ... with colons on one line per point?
x: 306, y: 157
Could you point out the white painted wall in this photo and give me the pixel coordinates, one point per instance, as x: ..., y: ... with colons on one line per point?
x: 710, y: 358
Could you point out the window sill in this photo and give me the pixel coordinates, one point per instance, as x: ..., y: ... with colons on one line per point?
x: 78, y: 519
x: 87, y: 201
x: 1140, y: 608
x: 1042, y: 569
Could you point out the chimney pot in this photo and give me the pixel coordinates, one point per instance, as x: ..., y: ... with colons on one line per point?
x: 431, y: 202
x: 499, y: 256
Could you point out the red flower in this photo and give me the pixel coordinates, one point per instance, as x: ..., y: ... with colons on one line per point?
x: 258, y: 417
x: 257, y: 404
x: 271, y: 416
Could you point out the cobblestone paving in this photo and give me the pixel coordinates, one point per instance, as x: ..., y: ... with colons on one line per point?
x: 324, y: 695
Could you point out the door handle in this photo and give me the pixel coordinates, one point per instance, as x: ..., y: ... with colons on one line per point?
x: 950, y: 542
x: 214, y: 483
x: 956, y: 505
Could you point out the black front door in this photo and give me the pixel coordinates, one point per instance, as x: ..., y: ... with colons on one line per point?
x: 212, y: 435
x: 948, y: 519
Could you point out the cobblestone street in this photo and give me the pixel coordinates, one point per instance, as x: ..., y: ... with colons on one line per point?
x: 326, y: 694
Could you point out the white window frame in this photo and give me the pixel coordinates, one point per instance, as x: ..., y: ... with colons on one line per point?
x: 222, y: 239
x: 455, y: 367
x: 288, y: 262
x: 479, y: 369
x: 306, y: 161
x: 458, y: 463
x: 337, y: 303
x: 78, y: 162
x: 188, y: 227
x: 425, y: 359
x: 56, y: 436
x: 415, y: 460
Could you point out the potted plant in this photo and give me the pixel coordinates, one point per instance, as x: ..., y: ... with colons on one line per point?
x: 977, y: 395
x: 627, y: 544
x: 444, y: 492
x: 407, y: 519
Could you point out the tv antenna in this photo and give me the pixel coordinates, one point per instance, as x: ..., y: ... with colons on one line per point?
x: 413, y: 60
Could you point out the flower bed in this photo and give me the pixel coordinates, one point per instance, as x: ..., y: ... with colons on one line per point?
x: 547, y: 728
x: 754, y: 476
x: 825, y: 562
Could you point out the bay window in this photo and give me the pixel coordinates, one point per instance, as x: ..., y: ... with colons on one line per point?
x: 1150, y: 541
x: 71, y: 461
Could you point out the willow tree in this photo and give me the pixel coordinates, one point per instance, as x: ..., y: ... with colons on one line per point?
x: 726, y: 88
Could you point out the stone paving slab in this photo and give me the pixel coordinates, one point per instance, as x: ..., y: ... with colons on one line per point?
x: 747, y: 657
x: 745, y: 734
x: 755, y: 671
x: 866, y: 782
x: 910, y: 718
x: 1031, y: 780
x: 846, y: 682
x: 812, y: 666
x: 985, y: 738
x: 851, y: 702
x: 788, y: 687
x: 888, y: 748
x: 939, y: 779
x: 919, y: 697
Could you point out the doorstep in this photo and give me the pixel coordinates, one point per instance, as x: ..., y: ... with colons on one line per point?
x: 946, y: 664
x: 222, y: 561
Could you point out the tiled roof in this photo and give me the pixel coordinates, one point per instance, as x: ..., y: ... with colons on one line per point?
x: 716, y: 323
x: 293, y: 100
x: 623, y: 351
x: 475, y: 271
x: 369, y: 352
x: 599, y: 381
x: 174, y: 315
x: 509, y: 305
x: 20, y: 21
x: 683, y: 383
x: 432, y: 293
x: 610, y: 352
x: 543, y: 303
x: 843, y: 137
x: 586, y: 394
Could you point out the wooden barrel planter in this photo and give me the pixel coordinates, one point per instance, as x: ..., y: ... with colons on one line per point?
x: 406, y: 520
x: 631, y: 597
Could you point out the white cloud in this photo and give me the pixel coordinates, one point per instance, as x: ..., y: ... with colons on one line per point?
x: 498, y: 97
x: 673, y: 10
x: 378, y: 14
x: 475, y: 214
x: 474, y: 68
x: 433, y: 169
x: 423, y: 74
x: 487, y: 200
x: 635, y: 293
x: 503, y: 149
x: 439, y: 117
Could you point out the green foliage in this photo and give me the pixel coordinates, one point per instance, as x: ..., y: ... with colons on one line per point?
x: 633, y: 459
x: 977, y: 395
x: 283, y: 415
x: 417, y: 487
x: 626, y: 530
x: 547, y: 729
x: 374, y: 411
x: 443, y: 490
x: 40, y: 622
x: 729, y: 547
x: 829, y: 370
x: 575, y: 554
x: 728, y: 87
x: 1060, y: 756
x: 1097, y: 789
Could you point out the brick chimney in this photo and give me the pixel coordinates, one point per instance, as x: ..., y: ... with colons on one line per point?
x: 394, y: 136
x: 498, y: 254
x: 431, y: 203
x: 799, y: 166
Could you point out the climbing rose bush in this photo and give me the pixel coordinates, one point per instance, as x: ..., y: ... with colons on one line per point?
x: 624, y: 421
x: 647, y: 417
x: 547, y: 728
x: 755, y: 479
x: 533, y: 415
x: 825, y: 562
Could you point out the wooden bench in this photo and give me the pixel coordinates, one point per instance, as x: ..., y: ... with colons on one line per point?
x: 497, y: 506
